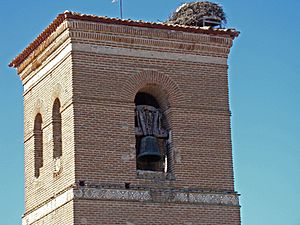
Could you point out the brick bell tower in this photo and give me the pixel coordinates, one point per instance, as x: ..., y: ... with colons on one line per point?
x: 127, y: 122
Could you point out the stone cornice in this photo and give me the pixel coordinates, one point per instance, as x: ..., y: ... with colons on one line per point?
x: 42, y: 56
x: 45, y: 36
x: 207, y: 42
x: 158, y: 195
x: 150, y: 39
x: 34, y: 60
x: 52, y: 58
x: 149, y: 54
x: 136, y: 42
x: 138, y: 194
x: 153, y: 34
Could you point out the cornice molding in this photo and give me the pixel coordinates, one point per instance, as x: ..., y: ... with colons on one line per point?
x: 53, y: 42
x: 141, y: 194
x: 152, y: 33
x: 127, y: 37
x: 149, y: 54
x: 230, y: 34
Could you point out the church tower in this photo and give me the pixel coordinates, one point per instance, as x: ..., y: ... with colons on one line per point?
x: 127, y: 122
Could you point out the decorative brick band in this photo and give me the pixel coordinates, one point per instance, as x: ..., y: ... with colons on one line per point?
x: 138, y: 42
x: 219, y: 199
x: 112, y: 194
x: 157, y: 195
x: 90, y: 22
x: 142, y: 195
x: 107, y: 50
x: 146, y: 32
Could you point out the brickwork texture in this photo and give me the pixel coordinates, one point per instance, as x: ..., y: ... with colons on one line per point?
x: 81, y: 83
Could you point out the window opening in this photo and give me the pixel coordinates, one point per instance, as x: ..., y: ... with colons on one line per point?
x: 38, y: 145
x: 150, y: 134
x: 57, y: 130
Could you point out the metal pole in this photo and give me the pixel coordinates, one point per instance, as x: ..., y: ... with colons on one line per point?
x: 121, y: 10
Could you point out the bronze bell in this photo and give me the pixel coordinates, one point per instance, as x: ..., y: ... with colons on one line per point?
x: 149, y: 150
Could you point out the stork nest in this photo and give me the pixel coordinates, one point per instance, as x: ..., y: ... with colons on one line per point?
x: 192, y: 14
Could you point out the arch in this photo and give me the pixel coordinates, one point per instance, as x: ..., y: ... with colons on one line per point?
x: 57, y: 129
x: 144, y: 98
x: 57, y: 92
x: 39, y: 107
x: 154, y: 83
x: 38, y: 145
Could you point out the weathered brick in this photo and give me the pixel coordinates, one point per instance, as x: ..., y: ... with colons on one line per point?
x: 95, y: 69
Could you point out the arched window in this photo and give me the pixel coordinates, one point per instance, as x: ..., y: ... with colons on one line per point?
x: 57, y: 132
x: 151, y: 136
x: 38, y: 145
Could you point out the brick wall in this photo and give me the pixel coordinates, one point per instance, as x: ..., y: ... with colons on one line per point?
x: 96, y: 81
x: 200, y: 125
x: 62, y: 216
x: 106, y: 212
x: 40, y: 99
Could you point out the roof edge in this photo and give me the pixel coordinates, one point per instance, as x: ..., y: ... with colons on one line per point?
x: 92, y: 18
x: 41, y: 38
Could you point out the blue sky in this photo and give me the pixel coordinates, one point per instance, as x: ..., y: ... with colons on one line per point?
x: 264, y: 77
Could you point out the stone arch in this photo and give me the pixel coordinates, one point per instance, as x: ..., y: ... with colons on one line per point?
x: 155, y: 83
x: 56, y: 94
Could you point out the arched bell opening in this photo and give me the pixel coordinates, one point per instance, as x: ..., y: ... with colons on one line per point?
x: 159, y: 94
x: 151, y: 131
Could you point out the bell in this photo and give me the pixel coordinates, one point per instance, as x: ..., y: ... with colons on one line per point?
x: 149, y: 150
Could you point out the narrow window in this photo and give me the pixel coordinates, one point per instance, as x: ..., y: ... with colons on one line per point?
x: 57, y: 140
x: 38, y: 145
x: 150, y: 134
